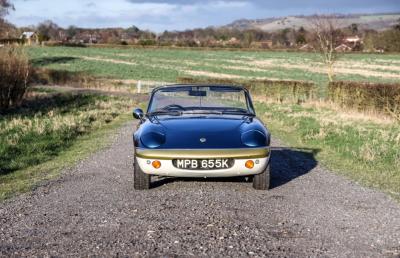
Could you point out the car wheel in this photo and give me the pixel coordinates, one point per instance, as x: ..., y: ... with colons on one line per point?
x: 261, y: 181
x: 141, y: 181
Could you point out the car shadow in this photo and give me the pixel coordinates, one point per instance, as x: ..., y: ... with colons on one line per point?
x: 43, y: 61
x: 43, y: 104
x: 286, y: 165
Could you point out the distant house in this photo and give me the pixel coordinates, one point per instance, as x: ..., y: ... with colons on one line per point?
x: 233, y: 40
x: 353, y: 40
x: 343, y: 48
x: 62, y: 36
x: 30, y: 37
x: 125, y: 37
x: 87, y: 38
x: 379, y: 50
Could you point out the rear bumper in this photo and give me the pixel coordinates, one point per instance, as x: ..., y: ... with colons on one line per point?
x: 260, y: 156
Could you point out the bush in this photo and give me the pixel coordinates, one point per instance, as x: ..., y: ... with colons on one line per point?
x: 64, y: 44
x: 147, y: 42
x: 187, y: 43
x: 281, y: 91
x: 366, y: 96
x: 15, y: 71
x: 388, y: 40
x: 60, y: 77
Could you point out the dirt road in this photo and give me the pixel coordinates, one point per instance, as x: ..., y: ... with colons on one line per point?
x: 94, y: 211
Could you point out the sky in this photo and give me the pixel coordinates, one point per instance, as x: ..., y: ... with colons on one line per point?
x: 160, y: 15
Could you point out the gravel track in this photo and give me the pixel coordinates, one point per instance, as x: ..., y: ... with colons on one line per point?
x: 92, y: 210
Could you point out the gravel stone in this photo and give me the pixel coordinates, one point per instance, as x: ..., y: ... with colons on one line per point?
x: 93, y: 210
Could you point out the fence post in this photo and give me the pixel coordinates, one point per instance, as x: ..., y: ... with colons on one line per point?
x: 139, y: 86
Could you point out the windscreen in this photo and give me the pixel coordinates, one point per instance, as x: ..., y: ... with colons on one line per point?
x: 199, y: 98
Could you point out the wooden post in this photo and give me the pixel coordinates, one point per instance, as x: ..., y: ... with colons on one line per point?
x: 139, y: 86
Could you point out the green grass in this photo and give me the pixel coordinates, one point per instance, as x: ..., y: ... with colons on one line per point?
x: 167, y: 64
x: 365, y: 149
x: 38, y: 141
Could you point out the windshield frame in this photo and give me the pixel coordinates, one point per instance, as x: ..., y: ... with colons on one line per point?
x: 179, y: 87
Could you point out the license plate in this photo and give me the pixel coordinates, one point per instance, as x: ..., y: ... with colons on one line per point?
x: 203, y: 164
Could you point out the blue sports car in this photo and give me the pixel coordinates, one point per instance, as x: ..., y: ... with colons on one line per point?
x: 201, y: 131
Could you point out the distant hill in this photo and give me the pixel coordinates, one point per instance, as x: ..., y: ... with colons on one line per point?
x: 365, y: 21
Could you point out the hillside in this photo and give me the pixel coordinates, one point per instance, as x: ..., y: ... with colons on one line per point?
x: 365, y: 21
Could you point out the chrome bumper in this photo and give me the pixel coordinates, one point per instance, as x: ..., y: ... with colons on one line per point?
x: 260, y: 156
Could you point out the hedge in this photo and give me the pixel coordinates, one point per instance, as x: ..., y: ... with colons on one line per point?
x: 282, y: 91
x: 381, y: 97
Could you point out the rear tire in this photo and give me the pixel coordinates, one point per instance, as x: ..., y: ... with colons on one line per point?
x: 262, y: 181
x: 141, y: 181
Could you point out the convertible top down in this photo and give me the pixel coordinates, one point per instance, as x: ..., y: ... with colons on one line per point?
x: 201, y: 131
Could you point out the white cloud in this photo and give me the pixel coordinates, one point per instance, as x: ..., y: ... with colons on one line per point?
x: 148, y: 15
x: 160, y: 15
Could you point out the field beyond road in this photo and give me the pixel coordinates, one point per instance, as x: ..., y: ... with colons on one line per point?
x: 166, y: 65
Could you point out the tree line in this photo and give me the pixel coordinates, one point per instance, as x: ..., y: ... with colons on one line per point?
x: 289, y: 38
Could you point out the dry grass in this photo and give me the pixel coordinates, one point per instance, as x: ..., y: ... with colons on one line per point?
x: 44, y: 127
x: 213, y: 75
x: 14, y: 76
x: 379, y: 97
x: 350, y: 114
x: 346, y: 68
x: 113, y: 61
x: 361, y: 146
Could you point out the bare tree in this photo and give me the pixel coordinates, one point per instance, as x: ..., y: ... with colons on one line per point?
x: 5, y: 5
x: 326, y: 38
x: 48, y: 30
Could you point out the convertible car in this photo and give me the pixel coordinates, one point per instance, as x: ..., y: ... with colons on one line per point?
x: 200, y: 131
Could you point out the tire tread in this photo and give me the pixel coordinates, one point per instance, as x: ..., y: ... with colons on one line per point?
x: 262, y: 181
x: 141, y: 181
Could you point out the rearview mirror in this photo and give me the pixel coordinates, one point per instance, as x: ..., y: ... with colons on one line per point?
x: 197, y: 93
x: 138, y: 114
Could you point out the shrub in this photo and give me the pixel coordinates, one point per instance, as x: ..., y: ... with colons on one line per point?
x: 187, y: 43
x: 15, y: 71
x: 60, y: 77
x: 281, y: 91
x: 147, y: 42
x: 367, y: 96
x: 64, y: 44
x: 73, y: 44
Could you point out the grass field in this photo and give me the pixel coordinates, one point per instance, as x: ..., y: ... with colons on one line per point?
x: 362, y: 147
x: 165, y: 65
x: 52, y: 131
